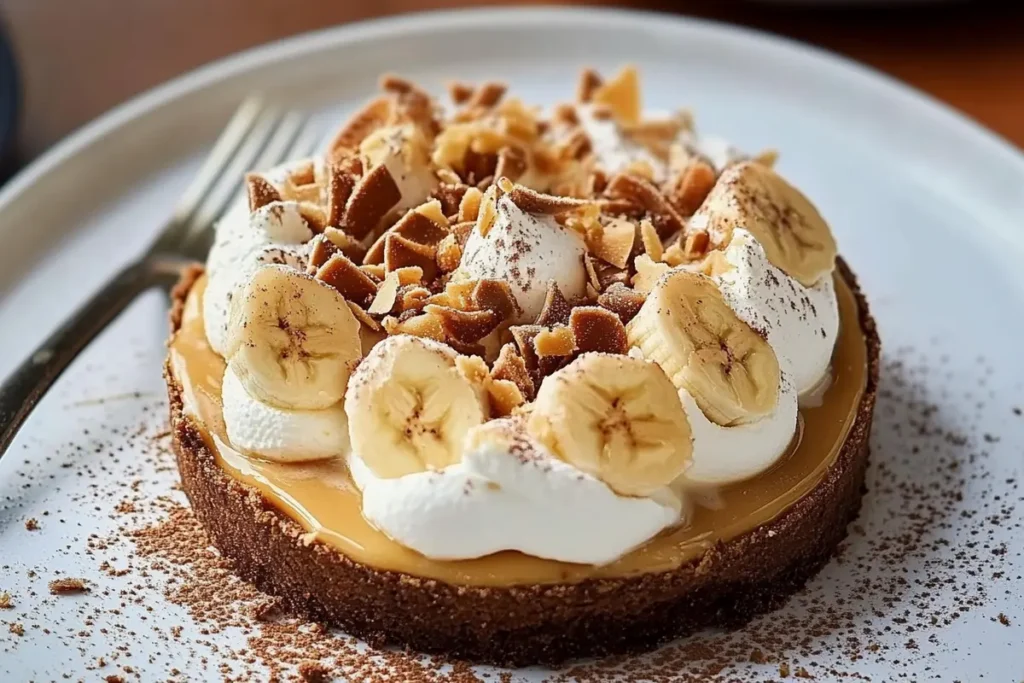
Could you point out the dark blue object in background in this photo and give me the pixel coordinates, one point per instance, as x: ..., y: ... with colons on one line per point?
x: 9, y: 104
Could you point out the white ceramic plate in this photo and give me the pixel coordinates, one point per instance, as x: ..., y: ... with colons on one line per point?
x: 927, y: 207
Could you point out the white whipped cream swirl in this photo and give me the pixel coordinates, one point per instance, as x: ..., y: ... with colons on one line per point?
x: 509, y: 493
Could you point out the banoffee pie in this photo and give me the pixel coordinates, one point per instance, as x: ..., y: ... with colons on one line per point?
x: 517, y: 384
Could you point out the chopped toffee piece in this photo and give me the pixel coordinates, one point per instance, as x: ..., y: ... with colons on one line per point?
x: 373, y: 197
x: 642, y: 192
x: 497, y: 297
x: 511, y: 367
x: 349, y: 246
x: 589, y: 81
x: 613, y: 243
x: 339, y: 189
x: 261, y: 191
x: 651, y: 241
x: 467, y: 327
x: 346, y: 277
x: 598, y: 329
x: 554, y: 341
x: 556, y: 308
x: 400, y: 252
x: 66, y: 586
x: 622, y: 301
x: 371, y: 117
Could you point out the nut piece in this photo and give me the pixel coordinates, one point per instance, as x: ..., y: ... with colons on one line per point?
x: 374, y: 270
x: 535, y: 202
x: 622, y: 301
x: 512, y: 163
x: 504, y: 397
x: 597, y: 329
x: 364, y: 318
x: 374, y: 196
x: 488, y: 94
x: 589, y: 81
x: 488, y: 211
x: 387, y: 295
x: 412, y: 297
x: 593, y: 281
x: 621, y: 95
x: 345, y: 276
x: 460, y: 92
x: 652, y: 243
x: 695, y: 245
x: 497, y: 297
x: 556, y: 309
x: 556, y: 341
x: 422, y: 325
x: 692, y: 187
x: 409, y: 275
x: 449, y: 254
x: 647, y: 273
x: 456, y: 294
x: 467, y: 327
x: 261, y: 191
x: 511, y: 367
x: 400, y: 252
x: 469, y: 206
x: 613, y: 243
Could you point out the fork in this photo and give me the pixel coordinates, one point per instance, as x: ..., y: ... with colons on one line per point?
x: 258, y: 136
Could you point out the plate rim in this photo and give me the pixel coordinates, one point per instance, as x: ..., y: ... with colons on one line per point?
x: 262, y: 55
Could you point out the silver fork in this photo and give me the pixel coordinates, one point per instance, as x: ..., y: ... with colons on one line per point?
x: 257, y: 137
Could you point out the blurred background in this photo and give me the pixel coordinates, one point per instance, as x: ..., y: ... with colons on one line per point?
x: 63, y: 62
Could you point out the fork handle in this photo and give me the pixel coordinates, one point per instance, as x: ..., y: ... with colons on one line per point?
x: 23, y: 389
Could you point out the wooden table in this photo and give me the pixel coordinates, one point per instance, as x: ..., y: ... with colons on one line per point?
x: 80, y: 58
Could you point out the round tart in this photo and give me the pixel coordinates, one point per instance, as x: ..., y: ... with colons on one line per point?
x: 382, y: 418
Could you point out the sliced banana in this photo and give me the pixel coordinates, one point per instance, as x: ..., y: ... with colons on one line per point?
x: 617, y: 418
x: 794, y: 235
x: 687, y: 328
x: 293, y: 341
x: 410, y: 408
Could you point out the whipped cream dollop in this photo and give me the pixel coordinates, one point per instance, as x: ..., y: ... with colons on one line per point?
x: 278, y: 434
x: 274, y: 234
x: 510, y: 493
x: 801, y: 323
x: 724, y: 455
x: 526, y: 251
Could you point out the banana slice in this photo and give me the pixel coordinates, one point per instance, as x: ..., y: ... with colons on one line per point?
x: 293, y: 341
x: 794, y: 235
x: 687, y: 328
x: 410, y: 408
x: 617, y: 418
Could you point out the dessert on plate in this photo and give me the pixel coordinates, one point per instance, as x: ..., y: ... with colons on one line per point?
x: 516, y: 384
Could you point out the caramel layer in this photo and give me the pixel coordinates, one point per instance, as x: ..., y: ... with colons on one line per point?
x: 322, y: 498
